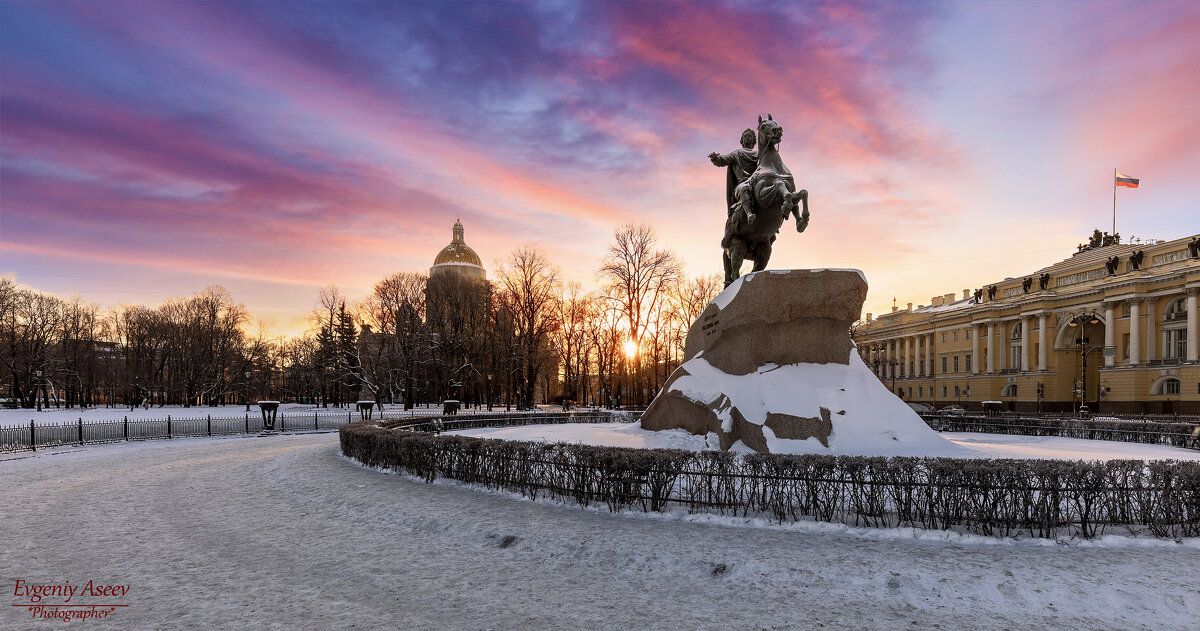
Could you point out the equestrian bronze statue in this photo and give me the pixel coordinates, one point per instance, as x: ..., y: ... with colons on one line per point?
x: 761, y: 203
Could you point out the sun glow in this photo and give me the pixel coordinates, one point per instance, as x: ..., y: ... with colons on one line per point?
x: 631, y: 348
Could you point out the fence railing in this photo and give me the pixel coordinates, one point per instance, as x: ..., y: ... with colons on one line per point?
x: 1101, y: 415
x: 34, y: 435
x: 437, y: 424
x: 1003, y: 498
x: 1175, y: 434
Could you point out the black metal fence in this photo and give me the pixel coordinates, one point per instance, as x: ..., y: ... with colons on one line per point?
x: 438, y: 424
x: 34, y: 435
x: 1173, y: 433
x: 1101, y: 415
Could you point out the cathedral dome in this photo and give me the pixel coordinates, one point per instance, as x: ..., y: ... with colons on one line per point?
x: 458, y: 255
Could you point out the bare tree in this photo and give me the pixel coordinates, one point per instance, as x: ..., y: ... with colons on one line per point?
x: 30, y: 322
x: 572, y: 341
x: 637, y: 275
x: 527, y: 286
x: 605, y: 338
x: 391, y: 354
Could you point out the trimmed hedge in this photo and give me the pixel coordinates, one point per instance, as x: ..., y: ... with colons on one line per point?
x: 1002, y: 498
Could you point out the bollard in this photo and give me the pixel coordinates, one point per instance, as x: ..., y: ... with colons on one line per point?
x: 247, y: 423
x: 168, y: 426
x: 126, y: 430
x: 210, y: 424
x: 32, y: 437
x: 81, y: 430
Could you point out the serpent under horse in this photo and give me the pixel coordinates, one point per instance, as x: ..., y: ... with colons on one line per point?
x: 770, y: 195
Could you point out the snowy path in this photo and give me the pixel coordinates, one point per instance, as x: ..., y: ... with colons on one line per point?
x: 284, y: 533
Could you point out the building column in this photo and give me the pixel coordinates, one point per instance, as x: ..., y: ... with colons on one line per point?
x: 1135, y: 332
x: 1192, y: 333
x: 991, y: 348
x: 1002, y: 356
x: 1109, y: 334
x: 912, y: 360
x: 1151, y: 339
x: 921, y: 364
x: 905, y: 351
x: 929, y: 354
x: 975, y: 358
x: 1026, y: 342
x: 1042, y: 342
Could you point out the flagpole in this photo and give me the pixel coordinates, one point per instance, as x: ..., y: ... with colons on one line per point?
x: 1114, y: 200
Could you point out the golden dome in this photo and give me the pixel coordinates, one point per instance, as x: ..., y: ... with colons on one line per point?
x: 458, y: 251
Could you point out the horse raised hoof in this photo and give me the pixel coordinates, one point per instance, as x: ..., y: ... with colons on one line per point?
x: 750, y: 217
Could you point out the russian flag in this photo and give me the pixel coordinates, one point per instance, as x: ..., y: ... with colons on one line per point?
x: 1126, y: 181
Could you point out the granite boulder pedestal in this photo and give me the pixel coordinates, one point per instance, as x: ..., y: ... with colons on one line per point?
x: 770, y: 359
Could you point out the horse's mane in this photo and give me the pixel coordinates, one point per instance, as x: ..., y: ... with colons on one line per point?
x: 762, y: 136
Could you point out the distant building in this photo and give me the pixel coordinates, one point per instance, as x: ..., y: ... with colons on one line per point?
x: 458, y: 310
x: 457, y: 260
x: 1113, y: 327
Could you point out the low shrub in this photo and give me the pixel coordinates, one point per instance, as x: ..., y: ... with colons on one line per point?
x: 1002, y: 498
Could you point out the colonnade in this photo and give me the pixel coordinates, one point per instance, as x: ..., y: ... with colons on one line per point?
x: 912, y: 355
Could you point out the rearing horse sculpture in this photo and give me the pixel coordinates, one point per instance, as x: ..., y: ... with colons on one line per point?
x: 765, y: 200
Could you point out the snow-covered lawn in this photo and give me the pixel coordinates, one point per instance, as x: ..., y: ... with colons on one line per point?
x: 975, y: 445
x: 285, y: 533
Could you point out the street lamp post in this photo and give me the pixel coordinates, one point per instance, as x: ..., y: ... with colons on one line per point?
x: 37, y: 391
x: 1080, y: 321
x: 247, y: 390
x: 891, y: 365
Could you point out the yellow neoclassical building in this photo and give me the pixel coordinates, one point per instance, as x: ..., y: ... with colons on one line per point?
x: 1114, y: 327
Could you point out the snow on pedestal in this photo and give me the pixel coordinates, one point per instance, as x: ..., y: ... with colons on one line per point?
x: 770, y: 363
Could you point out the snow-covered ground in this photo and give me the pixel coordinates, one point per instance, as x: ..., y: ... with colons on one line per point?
x: 973, y: 445
x: 285, y: 533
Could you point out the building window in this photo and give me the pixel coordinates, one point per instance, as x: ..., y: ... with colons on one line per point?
x: 1014, y: 357
x: 1010, y: 390
x: 968, y: 334
x: 956, y: 336
x: 944, y: 364
x: 957, y: 392
x: 943, y: 337
x: 1175, y: 343
x: 943, y: 391
x: 920, y: 391
x: 1125, y: 346
x: 968, y: 363
x: 1175, y: 311
x: 956, y: 363
x: 910, y: 392
x: 1166, y: 386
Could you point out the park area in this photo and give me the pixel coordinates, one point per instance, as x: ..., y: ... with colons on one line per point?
x: 284, y: 532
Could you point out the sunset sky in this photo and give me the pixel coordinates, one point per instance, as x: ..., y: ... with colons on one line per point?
x: 149, y: 149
